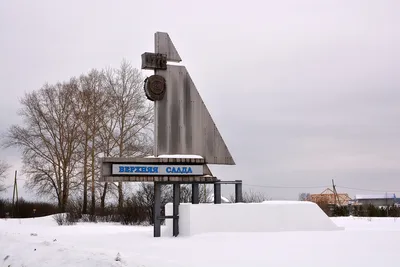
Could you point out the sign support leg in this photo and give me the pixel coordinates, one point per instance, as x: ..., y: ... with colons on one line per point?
x: 157, y: 209
x: 238, y: 192
x: 217, y: 193
x: 176, y: 192
x: 195, y: 193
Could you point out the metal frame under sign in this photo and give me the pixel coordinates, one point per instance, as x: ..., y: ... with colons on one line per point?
x: 157, y: 169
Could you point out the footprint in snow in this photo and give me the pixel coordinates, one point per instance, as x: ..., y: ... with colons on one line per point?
x: 46, y: 243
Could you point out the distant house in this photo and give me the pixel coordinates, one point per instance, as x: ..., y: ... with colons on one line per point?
x: 328, y: 197
x: 377, y: 200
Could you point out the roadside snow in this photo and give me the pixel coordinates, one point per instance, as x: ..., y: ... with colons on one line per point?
x: 365, y: 242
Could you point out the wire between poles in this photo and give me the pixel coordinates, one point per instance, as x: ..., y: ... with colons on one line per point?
x: 322, y: 186
x: 286, y: 187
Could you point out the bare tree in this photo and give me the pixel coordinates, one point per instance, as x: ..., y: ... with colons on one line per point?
x: 115, y: 116
x: 254, y: 197
x: 108, y: 146
x: 144, y: 198
x: 108, y: 138
x: 94, y: 104
x: 205, y: 193
x: 185, y: 193
x: 4, y: 167
x: 251, y: 197
x: 305, y: 197
x: 84, y: 128
x: 68, y: 126
x: 133, y: 114
x: 49, y: 139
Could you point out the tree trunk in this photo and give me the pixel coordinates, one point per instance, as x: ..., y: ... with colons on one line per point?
x: 60, y: 205
x: 120, y: 197
x: 93, y: 207
x: 121, y: 152
x: 103, y: 199
x: 65, y: 190
x: 64, y: 201
x: 85, y: 175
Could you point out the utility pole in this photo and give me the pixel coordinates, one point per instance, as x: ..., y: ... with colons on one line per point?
x: 15, y: 196
x: 335, y: 194
x: 387, y: 205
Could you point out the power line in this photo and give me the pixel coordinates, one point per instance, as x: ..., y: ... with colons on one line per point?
x: 368, y: 190
x: 322, y: 186
x: 286, y: 187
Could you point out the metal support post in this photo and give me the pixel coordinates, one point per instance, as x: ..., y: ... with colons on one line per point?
x: 176, y: 201
x: 217, y: 193
x: 157, y: 210
x: 238, y: 191
x: 195, y: 193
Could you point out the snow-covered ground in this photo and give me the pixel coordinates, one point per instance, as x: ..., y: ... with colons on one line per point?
x: 41, y: 242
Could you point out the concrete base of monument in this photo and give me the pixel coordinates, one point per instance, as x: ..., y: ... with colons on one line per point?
x: 269, y: 216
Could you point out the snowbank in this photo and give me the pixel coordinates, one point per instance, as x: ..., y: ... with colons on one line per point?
x: 210, y: 199
x: 269, y: 216
x: 365, y: 242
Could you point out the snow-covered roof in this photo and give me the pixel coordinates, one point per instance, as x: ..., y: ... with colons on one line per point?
x: 178, y: 156
x: 376, y: 196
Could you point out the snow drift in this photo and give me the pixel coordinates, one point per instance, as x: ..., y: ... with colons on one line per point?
x: 269, y: 216
x: 40, y: 242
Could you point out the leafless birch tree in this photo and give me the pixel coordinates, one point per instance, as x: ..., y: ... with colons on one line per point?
x: 68, y: 126
x: 49, y: 139
x: 131, y: 112
x: 94, y: 105
x: 4, y: 167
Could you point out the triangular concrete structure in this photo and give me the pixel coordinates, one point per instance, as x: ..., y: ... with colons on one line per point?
x: 183, y: 124
x: 164, y: 45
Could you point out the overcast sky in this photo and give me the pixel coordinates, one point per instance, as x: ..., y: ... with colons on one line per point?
x: 301, y: 91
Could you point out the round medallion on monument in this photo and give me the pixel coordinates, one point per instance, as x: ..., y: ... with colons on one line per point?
x: 154, y: 87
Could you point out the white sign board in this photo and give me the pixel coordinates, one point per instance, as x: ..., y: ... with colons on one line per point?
x: 156, y: 170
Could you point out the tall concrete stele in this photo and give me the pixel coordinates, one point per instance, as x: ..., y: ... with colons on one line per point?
x: 183, y: 126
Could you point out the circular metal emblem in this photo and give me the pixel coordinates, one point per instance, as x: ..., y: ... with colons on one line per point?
x: 155, y: 87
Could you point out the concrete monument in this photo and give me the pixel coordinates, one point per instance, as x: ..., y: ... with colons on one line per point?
x: 183, y: 126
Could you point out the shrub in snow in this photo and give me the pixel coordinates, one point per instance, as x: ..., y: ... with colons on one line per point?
x: 71, y: 219
x: 74, y: 209
x: 65, y: 219
x: 132, y: 214
x: 59, y: 218
x: 26, y: 209
x: 340, y: 211
x: 108, y: 218
x: 88, y: 218
x: 118, y: 257
x: 249, y: 197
